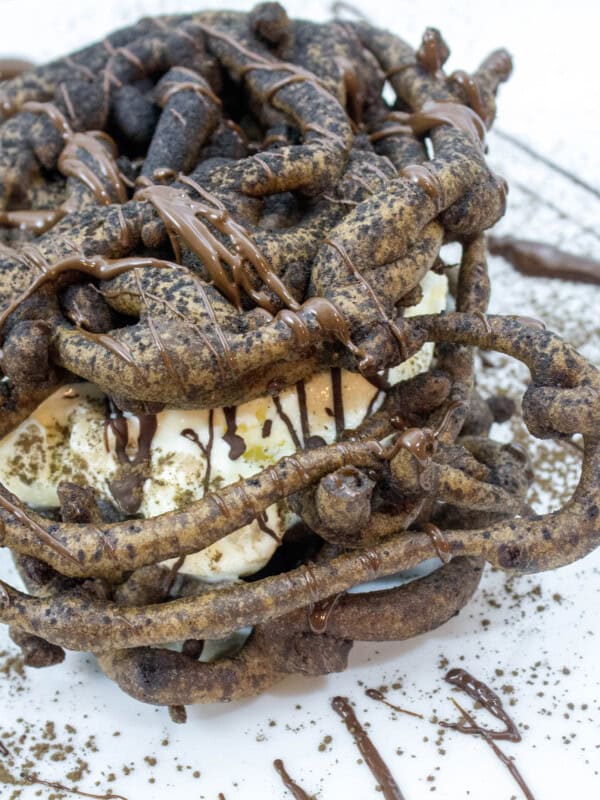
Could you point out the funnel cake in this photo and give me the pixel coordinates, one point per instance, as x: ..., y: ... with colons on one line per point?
x: 206, y: 209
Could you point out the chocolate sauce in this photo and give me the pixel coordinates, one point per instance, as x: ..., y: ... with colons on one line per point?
x: 439, y: 541
x: 98, y: 267
x: 338, y: 401
x: 296, y: 791
x: 369, y: 752
x: 124, y: 487
x: 261, y: 521
x: 427, y: 179
x: 303, y: 410
x: 170, y: 88
x: 189, y: 219
x: 544, y: 260
x: 375, y: 694
x: 398, y: 335
x: 461, y: 117
x: 18, y: 512
x: 485, y: 696
x: 471, y: 91
x: 318, y: 615
x: 37, y: 221
x: 287, y: 422
x: 99, y: 146
x: 266, y: 428
x: 4, y: 749
x: 36, y: 780
x: 237, y: 445
x: 431, y: 55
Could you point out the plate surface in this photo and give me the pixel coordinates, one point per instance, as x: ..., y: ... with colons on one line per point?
x: 533, y: 639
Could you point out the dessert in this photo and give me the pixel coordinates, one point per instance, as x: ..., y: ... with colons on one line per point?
x: 206, y: 218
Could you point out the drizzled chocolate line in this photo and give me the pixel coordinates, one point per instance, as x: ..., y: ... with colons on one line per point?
x: 319, y: 613
x: 375, y: 694
x: 237, y: 444
x: 34, y: 779
x: 296, y: 791
x: 18, y: 512
x: 440, y: 542
x: 543, y: 260
x: 398, y: 335
x: 287, y: 422
x: 482, y: 694
x: 338, y: 401
x: 369, y: 752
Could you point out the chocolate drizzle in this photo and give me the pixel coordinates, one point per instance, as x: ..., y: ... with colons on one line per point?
x: 338, y: 401
x: 296, y: 791
x: 287, y: 422
x: 98, y: 267
x: 237, y: 445
x: 486, y: 697
x: 369, y: 752
x: 97, y: 144
x: 36, y: 780
x: 319, y: 613
x: 439, y: 541
x: 471, y: 91
x: 17, y: 510
x: 206, y: 449
x: 398, y: 335
x: 427, y: 179
x: 375, y: 694
x: 126, y: 488
x: 544, y: 260
x: 303, y: 410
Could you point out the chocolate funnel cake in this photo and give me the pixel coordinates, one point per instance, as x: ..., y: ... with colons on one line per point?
x: 234, y: 383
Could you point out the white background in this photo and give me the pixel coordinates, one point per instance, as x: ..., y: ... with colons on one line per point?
x: 551, y: 645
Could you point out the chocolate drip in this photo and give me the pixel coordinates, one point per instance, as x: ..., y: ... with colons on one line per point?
x: 427, y: 179
x: 399, y: 336
x: 471, y: 91
x: 303, y: 409
x: 103, y: 151
x: 266, y: 428
x: 188, y: 219
x: 36, y: 780
x: 126, y: 488
x: 433, y: 52
x: 482, y: 694
x: 99, y: 146
x: 439, y: 541
x: 338, y: 401
x: 18, y: 511
x: 237, y: 445
x: 206, y: 449
x: 432, y: 115
x: 318, y: 616
x: 118, y: 348
x: 261, y: 520
x: 287, y: 422
x: 296, y: 791
x: 544, y: 260
x: 530, y: 322
x: 369, y: 752
x: 98, y: 267
x: 170, y: 88
x: 375, y: 694
x: 36, y: 220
